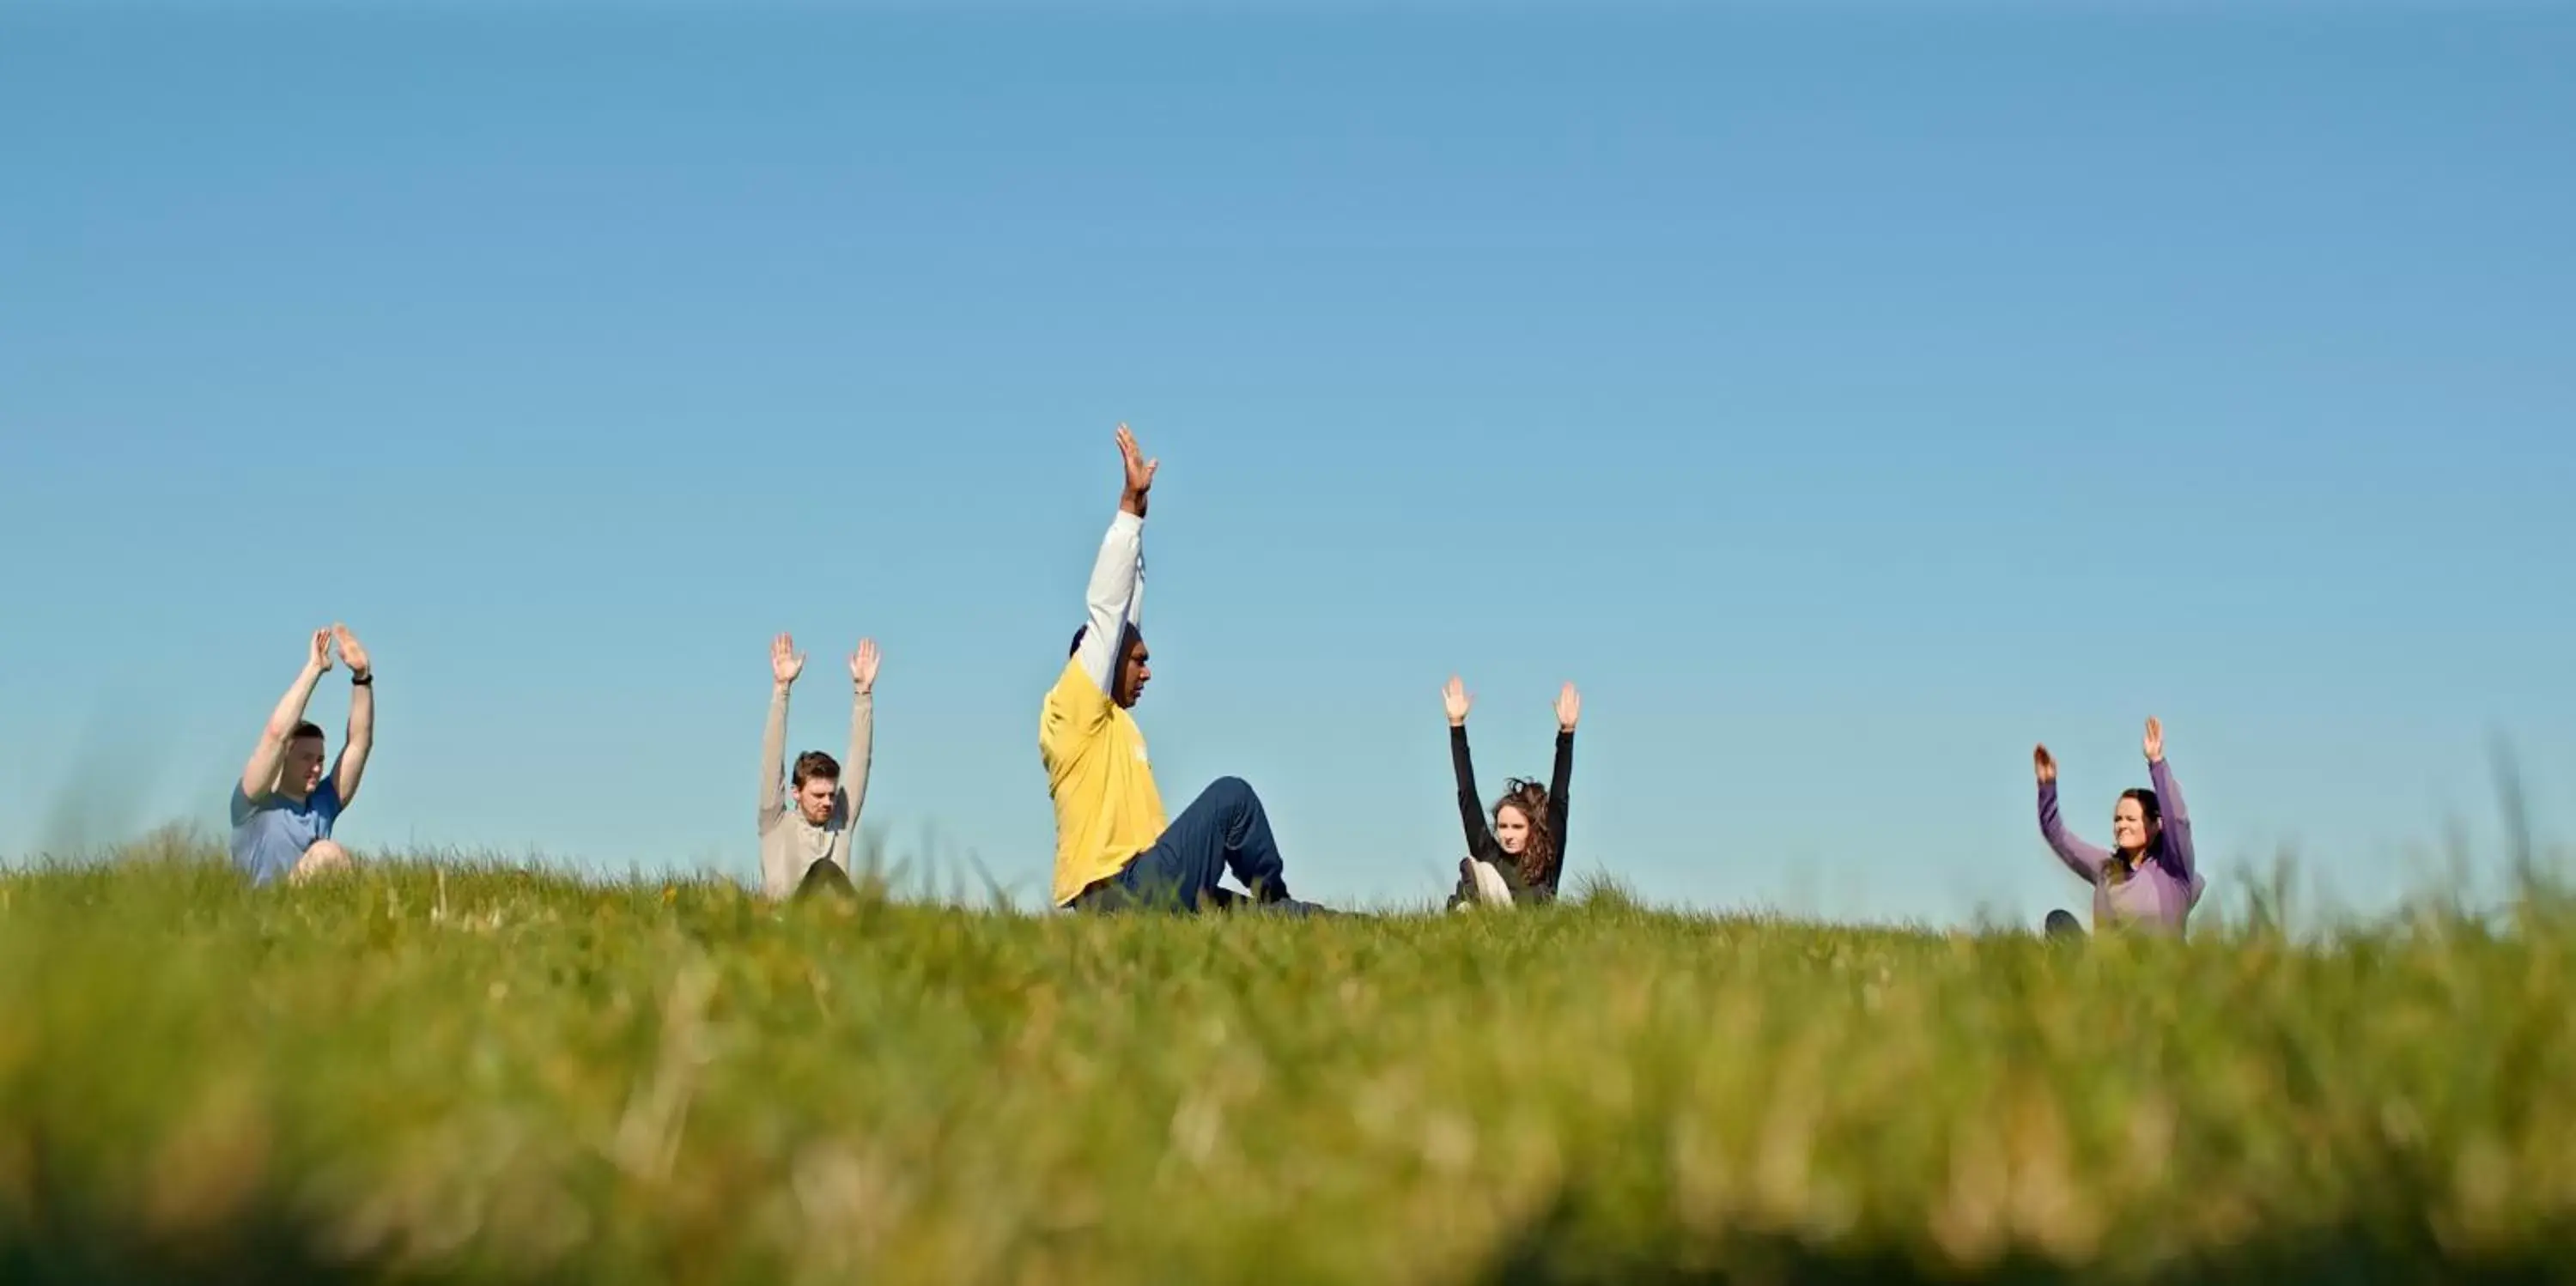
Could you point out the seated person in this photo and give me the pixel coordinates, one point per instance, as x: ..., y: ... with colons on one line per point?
x: 284, y: 806
x: 1520, y: 857
x: 1112, y: 847
x: 807, y: 830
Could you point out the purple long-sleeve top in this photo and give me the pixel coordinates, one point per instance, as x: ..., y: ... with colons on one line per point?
x: 2161, y: 894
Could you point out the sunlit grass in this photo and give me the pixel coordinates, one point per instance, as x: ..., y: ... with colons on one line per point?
x: 448, y: 1072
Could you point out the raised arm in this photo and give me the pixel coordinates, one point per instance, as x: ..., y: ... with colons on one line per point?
x: 863, y: 706
x: 1115, y: 597
x: 361, y: 740
x: 785, y: 663
x: 1481, y: 844
x: 2084, y: 859
x: 2177, y: 818
x: 259, y: 773
x: 1569, y: 711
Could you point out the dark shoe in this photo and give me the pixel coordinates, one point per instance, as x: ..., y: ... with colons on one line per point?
x: 2061, y: 924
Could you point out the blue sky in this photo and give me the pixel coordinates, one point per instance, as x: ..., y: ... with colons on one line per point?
x: 1846, y: 397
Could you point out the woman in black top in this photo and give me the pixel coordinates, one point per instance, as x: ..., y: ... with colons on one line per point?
x: 1525, y: 844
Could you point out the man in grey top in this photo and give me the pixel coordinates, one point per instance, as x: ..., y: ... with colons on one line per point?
x: 809, y: 823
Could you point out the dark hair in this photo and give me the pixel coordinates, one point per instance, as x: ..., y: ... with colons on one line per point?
x: 1128, y: 637
x: 1538, y: 853
x: 814, y: 763
x: 2118, y: 868
x: 307, y: 728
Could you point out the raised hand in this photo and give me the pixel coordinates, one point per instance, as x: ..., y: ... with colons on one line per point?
x: 1569, y: 708
x: 352, y: 651
x: 320, y: 660
x: 785, y: 662
x: 1455, y: 699
x: 2155, y: 742
x: 863, y: 666
x: 1140, y: 472
x: 2043, y: 764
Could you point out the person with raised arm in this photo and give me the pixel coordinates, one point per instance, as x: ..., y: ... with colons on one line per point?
x: 2149, y: 878
x: 809, y: 825
x: 1520, y: 856
x: 285, y: 804
x: 1113, y: 848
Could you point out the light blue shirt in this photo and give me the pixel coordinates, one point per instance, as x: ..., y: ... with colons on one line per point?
x: 271, y: 834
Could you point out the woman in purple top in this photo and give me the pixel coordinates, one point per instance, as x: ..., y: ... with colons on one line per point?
x: 2148, y: 880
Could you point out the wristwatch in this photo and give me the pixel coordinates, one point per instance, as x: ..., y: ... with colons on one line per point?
x: 367, y: 680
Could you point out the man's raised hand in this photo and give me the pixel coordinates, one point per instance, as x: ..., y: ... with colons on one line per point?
x: 1569, y: 708
x: 1140, y: 473
x: 1455, y: 699
x: 352, y: 651
x: 785, y: 662
x: 863, y: 666
x: 2043, y: 764
x: 320, y: 660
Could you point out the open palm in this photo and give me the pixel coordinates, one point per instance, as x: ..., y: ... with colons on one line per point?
x: 352, y: 651
x: 863, y: 665
x: 785, y: 662
x: 1455, y: 700
x: 1140, y: 471
x: 1569, y: 708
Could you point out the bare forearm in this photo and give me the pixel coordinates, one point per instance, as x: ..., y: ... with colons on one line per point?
x: 290, y: 708
x: 361, y: 741
x: 261, y: 770
x: 362, y: 717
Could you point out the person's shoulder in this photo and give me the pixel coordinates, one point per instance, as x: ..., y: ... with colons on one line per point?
x: 1074, y: 690
x: 243, y: 806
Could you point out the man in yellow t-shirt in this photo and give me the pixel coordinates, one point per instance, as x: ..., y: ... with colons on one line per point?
x: 1113, y: 847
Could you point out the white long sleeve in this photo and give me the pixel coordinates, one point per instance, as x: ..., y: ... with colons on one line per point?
x: 1116, y: 596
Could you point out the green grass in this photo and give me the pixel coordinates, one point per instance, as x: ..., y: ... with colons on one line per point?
x: 497, y: 1076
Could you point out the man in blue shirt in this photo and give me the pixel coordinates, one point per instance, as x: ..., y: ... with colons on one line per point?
x: 284, y: 804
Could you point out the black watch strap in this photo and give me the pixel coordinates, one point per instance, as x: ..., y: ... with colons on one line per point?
x: 367, y: 680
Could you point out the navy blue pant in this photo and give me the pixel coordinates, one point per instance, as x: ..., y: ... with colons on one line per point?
x: 1224, y: 829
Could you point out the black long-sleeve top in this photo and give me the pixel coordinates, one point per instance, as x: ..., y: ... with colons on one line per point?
x: 1481, y: 844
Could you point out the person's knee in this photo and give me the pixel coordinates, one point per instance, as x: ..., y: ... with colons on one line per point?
x: 1233, y: 793
x: 321, y: 857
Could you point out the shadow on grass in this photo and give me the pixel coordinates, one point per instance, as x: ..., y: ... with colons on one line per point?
x: 1559, y: 1252
x: 268, y: 1251
x: 255, y: 1249
x: 256, y: 1254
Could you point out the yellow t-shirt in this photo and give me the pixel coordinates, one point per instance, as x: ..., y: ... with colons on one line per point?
x: 1106, y: 808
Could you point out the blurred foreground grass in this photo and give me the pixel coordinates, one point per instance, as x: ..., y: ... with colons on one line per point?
x: 497, y: 1076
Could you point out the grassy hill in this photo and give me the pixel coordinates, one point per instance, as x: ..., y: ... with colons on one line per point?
x: 481, y: 1075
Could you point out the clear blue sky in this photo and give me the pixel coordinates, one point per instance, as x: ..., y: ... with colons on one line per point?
x: 1847, y: 397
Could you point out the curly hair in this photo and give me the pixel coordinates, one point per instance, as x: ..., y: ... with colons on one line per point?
x: 1538, y: 854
